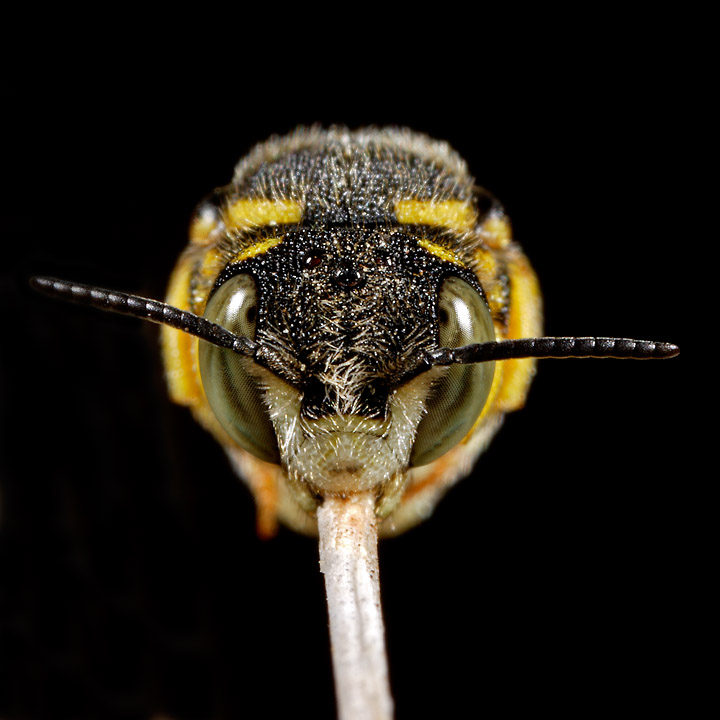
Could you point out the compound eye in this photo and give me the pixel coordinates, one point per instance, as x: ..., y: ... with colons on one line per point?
x: 459, y: 396
x: 230, y: 380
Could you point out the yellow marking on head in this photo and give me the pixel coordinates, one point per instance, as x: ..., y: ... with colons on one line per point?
x: 259, y: 212
x: 258, y: 248
x: 179, y: 348
x: 487, y: 271
x: 201, y: 228
x: 496, y: 231
x: 455, y: 215
x: 524, y: 320
x: 512, y: 377
x: 212, y: 263
x: 485, y: 262
x: 441, y: 252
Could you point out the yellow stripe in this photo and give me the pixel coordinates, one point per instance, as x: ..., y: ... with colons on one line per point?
x: 259, y: 248
x: 525, y: 320
x: 487, y: 272
x: 212, y: 263
x: 259, y: 212
x: 486, y: 265
x: 179, y: 348
x: 441, y: 252
x: 200, y: 230
x: 454, y: 215
x: 496, y: 231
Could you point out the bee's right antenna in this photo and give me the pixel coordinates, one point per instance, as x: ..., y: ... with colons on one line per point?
x: 146, y: 309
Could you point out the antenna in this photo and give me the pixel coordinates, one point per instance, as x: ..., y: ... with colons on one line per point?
x: 145, y: 309
x: 554, y: 347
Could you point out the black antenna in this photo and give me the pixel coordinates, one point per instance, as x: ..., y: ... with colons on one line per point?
x: 554, y: 347
x: 146, y: 309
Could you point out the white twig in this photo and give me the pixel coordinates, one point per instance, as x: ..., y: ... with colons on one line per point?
x: 348, y: 559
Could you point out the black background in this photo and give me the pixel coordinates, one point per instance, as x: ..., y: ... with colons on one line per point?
x: 556, y: 577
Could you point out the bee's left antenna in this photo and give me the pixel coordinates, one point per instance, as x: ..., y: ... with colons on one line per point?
x: 145, y: 309
x: 553, y: 347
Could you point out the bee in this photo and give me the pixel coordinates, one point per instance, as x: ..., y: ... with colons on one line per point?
x: 351, y: 317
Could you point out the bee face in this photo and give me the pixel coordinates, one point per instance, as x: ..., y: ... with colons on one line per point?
x: 347, y: 256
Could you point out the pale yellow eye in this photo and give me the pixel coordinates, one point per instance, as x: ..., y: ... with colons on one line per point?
x: 459, y: 397
x: 230, y: 380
